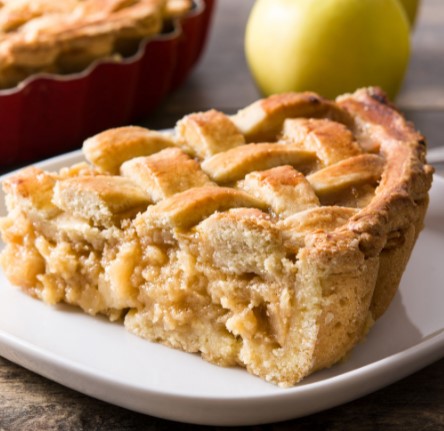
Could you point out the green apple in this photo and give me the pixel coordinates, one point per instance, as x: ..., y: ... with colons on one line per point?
x: 327, y: 46
x: 411, y: 7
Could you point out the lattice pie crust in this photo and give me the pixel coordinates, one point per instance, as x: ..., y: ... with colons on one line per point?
x: 65, y: 36
x: 271, y: 239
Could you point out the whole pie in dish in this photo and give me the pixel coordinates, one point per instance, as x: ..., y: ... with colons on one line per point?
x: 271, y: 239
x: 65, y: 36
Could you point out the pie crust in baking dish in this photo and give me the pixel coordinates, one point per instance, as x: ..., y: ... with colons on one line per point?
x: 66, y: 36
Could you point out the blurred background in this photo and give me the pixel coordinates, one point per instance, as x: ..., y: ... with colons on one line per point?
x: 222, y: 79
x: 50, y: 116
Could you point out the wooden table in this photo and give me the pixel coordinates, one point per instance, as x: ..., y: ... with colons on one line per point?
x: 30, y: 402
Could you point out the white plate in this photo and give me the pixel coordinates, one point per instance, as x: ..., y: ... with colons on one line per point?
x: 101, y: 359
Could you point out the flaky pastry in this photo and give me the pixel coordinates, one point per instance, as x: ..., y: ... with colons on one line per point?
x: 271, y: 239
x: 65, y: 36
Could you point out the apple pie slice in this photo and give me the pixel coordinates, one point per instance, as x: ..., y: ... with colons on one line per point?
x: 271, y: 239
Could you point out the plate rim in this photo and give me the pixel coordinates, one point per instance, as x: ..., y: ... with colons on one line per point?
x: 351, y: 385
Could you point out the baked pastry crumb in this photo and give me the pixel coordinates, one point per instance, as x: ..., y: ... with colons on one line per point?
x: 271, y: 239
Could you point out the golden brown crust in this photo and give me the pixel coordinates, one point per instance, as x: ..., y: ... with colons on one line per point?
x: 208, y: 133
x: 317, y: 135
x: 109, y: 149
x: 285, y: 190
x: 234, y: 164
x: 153, y: 173
x: 365, y: 168
x: 186, y: 209
x: 66, y: 36
x: 277, y: 256
x: 262, y: 120
x: 101, y: 199
x: 405, y: 180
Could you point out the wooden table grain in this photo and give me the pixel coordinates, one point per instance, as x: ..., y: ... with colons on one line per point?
x: 221, y: 80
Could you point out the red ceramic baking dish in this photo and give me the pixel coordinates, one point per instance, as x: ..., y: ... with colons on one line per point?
x: 51, y: 114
